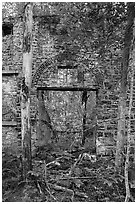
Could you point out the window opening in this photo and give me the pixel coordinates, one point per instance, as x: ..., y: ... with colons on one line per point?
x: 7, y: 29
x: 68, y: 113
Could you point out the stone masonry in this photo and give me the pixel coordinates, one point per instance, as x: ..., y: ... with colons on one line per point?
x: 45, y: 63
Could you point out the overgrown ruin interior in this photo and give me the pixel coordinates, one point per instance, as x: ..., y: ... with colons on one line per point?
x: 68, y: 101
x: 68, y: 113
x: 51, y: 68
x: 69, y: 104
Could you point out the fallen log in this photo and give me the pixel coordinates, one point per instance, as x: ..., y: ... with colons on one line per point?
x: 60, y: 188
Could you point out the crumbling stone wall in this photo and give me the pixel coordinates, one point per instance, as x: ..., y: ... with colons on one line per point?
x: 10, y: 143
x: 108, y: 113
x: 44, y: 51
x: 10, y: 112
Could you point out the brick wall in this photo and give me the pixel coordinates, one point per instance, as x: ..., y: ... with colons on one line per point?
x: 10, y: 142
x: 10, y: 133
x: 44, y: 51
x: 108, y: 115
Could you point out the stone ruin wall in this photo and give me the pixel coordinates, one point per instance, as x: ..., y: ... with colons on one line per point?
x: 44, y: 50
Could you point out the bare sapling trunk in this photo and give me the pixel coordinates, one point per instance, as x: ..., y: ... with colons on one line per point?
x: 128, y: 196
x: 123, y: 92
x: 44, y: 128
x: 121, y: 132
x: 25, y: 89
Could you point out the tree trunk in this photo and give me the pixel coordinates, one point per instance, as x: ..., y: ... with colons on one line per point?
x: 25, y: 89
x: 44, y: 127
x: 121, y: 131
x: 124, y: 71
x: 128, y: 196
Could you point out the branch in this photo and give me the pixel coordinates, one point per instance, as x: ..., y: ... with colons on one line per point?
x: 72, y: 178
x: 73, y: 167
x: 60, y: 188
x: 6, y: 113
x: 128, y: 195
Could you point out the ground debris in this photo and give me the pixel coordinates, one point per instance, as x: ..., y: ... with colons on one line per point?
x: 67, y: 178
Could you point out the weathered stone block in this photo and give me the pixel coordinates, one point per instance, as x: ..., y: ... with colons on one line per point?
x: 100, y: 134
x: 108, y: 134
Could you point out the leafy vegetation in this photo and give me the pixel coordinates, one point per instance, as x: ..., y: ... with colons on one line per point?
x: 97, y: 38
x: 66, y: 177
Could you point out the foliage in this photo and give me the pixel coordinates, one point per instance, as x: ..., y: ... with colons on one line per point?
x: 89, y: 34
x: 67, y: 177
x: 11, y: 172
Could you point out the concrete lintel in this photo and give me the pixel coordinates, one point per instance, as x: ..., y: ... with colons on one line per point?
x: 67, y: 88
x: 9, y: 123
x: 9, y: 72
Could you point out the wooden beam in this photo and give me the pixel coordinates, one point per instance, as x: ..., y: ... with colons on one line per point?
x: 67, y: 66
x: 67, y: 89
x: 9, y: 123
x: 9, y: 72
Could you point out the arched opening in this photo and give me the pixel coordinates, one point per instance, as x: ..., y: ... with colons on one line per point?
x: 69, y: 103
